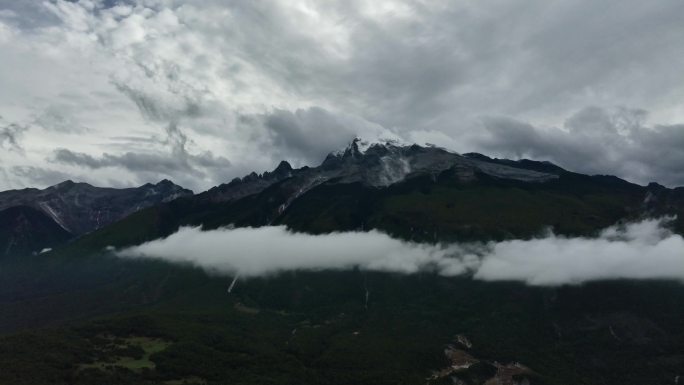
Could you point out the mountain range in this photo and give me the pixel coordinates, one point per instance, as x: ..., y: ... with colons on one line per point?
x: 34, y: 219
x: 74, y: 313
x: 419, y: 193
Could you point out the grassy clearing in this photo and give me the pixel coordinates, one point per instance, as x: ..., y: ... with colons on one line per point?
x: 115, y: 353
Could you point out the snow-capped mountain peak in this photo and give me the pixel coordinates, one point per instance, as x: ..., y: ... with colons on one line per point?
x: 359, y: 146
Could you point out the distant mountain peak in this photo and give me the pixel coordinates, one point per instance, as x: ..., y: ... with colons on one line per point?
x: 166, y: 182
x: 359, y: 146
x: 542, y: 166
x: 249, y: 184
x: 67, y: 184
x: 381, y: 163
x: 80, y: 207
x: 283, y: 170
x: 283, y: 166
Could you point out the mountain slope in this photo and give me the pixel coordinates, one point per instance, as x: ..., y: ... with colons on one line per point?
x: 412, y: 192
x: 25, y: 230
x: 34, y: 219
x: 81, y: 208
x: 372, y: 164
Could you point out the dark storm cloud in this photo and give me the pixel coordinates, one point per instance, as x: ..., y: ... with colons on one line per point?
x: 313, y: 133
x: 177, y: 163
x: 596, y: 141
x: 147, y: 106
x: 186, y: 172
x: 152, y: 108
x: 41, y: 177
x: 152, y: 162
x: 437, y: 65
x: 10, y: 134
x: 63, y: 155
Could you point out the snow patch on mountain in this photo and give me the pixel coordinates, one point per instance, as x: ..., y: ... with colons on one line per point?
x: 51, y: 212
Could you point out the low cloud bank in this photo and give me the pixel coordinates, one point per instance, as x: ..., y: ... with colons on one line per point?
x: 271, y: 249
x: 642, y: 250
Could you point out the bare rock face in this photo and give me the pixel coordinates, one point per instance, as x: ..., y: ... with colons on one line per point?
x: 248, y: 185
x: 378, y: 164
x: 383, y: 164
x: 80, y: 208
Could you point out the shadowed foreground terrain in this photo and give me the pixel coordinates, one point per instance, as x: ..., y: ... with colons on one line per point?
x: 108, y: 321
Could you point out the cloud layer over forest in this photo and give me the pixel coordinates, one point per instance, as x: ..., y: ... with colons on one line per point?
x: 641, y: 250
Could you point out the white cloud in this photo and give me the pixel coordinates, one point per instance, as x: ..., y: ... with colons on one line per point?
x: 643, y: 250
x: 272, y: 249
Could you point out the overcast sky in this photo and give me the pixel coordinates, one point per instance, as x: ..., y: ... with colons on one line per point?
x: 125, y: 92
